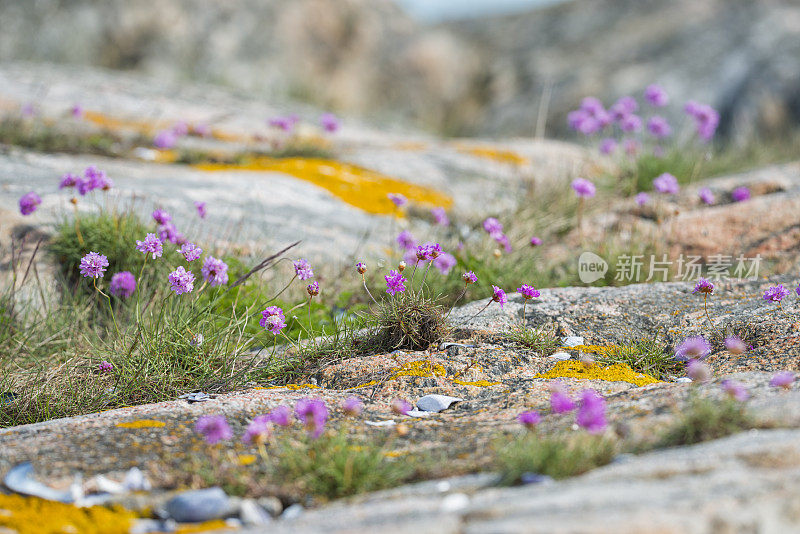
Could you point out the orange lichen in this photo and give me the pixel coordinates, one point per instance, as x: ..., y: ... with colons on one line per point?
x: 142, y: 423
x: 613, y: 373
x: 31, y: 515
x: 495, y: 154
x: 357, y: 186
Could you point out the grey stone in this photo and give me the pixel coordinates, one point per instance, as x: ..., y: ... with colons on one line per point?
x: 273, y: 505
x: 199, y: 505
x: 251, y: 513
x: 436, y: 403
x: 561, y: 356
x: 294, y: 511
x: 572, y: 341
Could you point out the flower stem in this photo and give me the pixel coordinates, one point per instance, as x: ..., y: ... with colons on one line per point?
x: 479, y: 312
x: 110, y: 307
x: 363, y: 279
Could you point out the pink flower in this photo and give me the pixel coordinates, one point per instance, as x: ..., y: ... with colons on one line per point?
x: 445, y: 263
x: 398, y: 199
x: 560, y: 401
x: 214, y: 428
x: 272, y: 319
x: 29, y: 202
x: 583, y: 188
x: 395, y: 283
x: 259, y: 430
x: 735, y: 389
x: 529, y: 419
x: 201, y: 209
x: 535, y: 241
x: 499, y: 296
x: 353, y: 406
x: 782, y: 379
x: 698, y: 371
x: 440, y: 216
x: 592, y: 412
x: 401, y: 406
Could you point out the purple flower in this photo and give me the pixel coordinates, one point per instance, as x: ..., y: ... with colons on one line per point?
x: 180, y: 129
x: 395, y: 283
x: 591, y: 105
x: 93, y: 265
x: 782, y: 379
x: 499, y: 296
x: 560, y: 401
x: 642, y: 198
x: 398, y: 199
x: 735, y: 345
x: 740, y: 194
x: 361, y: 267
x: 528, y: 292
x: 502, y: 239
x: 529, y: 419
x: 280, y: 415
x: 401, y: 406
x: 703, y: 286
x: 201, y: 208
x: 583, y: 188
x: 735, y: 389
x: 492, y: 226
x: 575, y: 119
x: 706, y: 196
x: 624, y: 106
x: 313, y: 289
x: 630, y: 123
x: 303, y: 270
x: 440, y: 216
x: 775, y: 293
x: 667, y: 184
x: 272, y: 319
x: 105, y: 366
x: 215, y: 271
x: 706, y: 119
x: 94, y: 178
x: 469, y: 277
x: 592, y: 412
x: 168, y: 232
x: 69, y: 180
x: 445, y: 263
x: 329, y: 122
x: 693, y: 347
x: 123, y: 284
x: 352, y: 406
x: 76, y: 111
x: 151, y: 244
x: 656, y: 96
x: 190, y: 251
x: 161, y: 217
x: 29, y: 202
x: 259, y: 430
x: 589, y: 125
x: 284, y: 123
x: 165, y: 139
x: 214, y: 428
x: 424, y: 252
x: 535, y: 241
x: 313, y: 414
x: 659, y: 127
x: 698, y: 371
x: 607, y: 146
x: 181, y: 280
x: 406, y: 240
x: 28, y: 110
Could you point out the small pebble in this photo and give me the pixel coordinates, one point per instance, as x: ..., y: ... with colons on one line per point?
x: 198, y: 505
x: 573, y: 341
x: 683, y: 380
x: 252, y: 514
x: 535, y: 478
x: 560, y: 356
x: 293, y: 512
x: 454, y: 502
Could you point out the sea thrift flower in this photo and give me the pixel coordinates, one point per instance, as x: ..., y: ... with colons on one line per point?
x: 440, y: 216
x: 591, y: 105
x: 656, y: 96
x: 361, y: 267
x: 706, y: 119
x: 190, y: 251
x: 642, y: 198
x: 592, y: 412
x: 329, y: 122
x: 782, y: 379
x: 703, y: 286
x: 775, y: 293
x: 69, y: 180
x: 401, y: 266
x: 502, y: 239
x: 182, y: 281
x: 667, y: 184
x: 395, y: 283
x: 706, y: 196
x: 445, y: 263
x: 401, y: 406
x: 28, y: 110
x: 313, y: 414
x: 623, y: 107
x: 168, y: 232
x: 630, y: 123
x: 259, y: 430
x: 528, y: 292
x: 215, y: 271
x: 29, y: 202
x: 735, y: 389
x: 123, y: 284
x: 105, y: 366
x: 492, y: 226
x: 150, y: 245
x: 469, y: 277
x: 735, y: 345
x: 284, y: 123
x: 406, y: 240
x: 313, y: 289
x: 698, y: 371
x: 76, y: 111
x: 559, y: 400
x: 214, y: 428
x: 583, y: 188
x: 693, y: 347
x: 499, y: 296
x: 272, y: 319
x: 659, y: 127
x: 352, y: 406
x: 201, y: 209
x: 281, y: 415
x: 180, y: 129
x: 607, y: 146
x: 161, y: 217
x: 398, y: 199
x: 165, y: 139
x: 93, y: 265
x: 94, y: 178
x: 303, y: 270
x: 529, y: 419
x: 740, y: 194
x: 535, y: 241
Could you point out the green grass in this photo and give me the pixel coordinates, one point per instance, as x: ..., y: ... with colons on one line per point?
x: 542, y: 339
x: 646, y: 355
x: 706, y: 419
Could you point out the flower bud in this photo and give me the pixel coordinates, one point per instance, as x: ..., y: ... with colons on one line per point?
x: 361, y: 267
x: 401, y: 266
x: 497, y: 253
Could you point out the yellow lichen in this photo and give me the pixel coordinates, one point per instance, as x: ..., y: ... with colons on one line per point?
x: 30, y: 515
x: 141, y: 423
x: 495, y: 154
x: 592, y: 349
x: 612, y: 373
x: 359, y: 187
x: 422, y: 368
x: 476, y: 383
x: 208, y: 526
x: 292, y: 387
x: 246, y: 459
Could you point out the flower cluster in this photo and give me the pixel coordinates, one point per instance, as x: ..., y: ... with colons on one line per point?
x: 667, y: 184
x: 150, y: 245
x: 181, y: 281
x: 215, y: 271
x: 123, y: 284
x: 495, y: 230
x: 272, y: 319
x: 190, y: 251
x: 303, y: 270
x: 313, y: 414
x: 93, y: 265
x: 583, y: 188
x: 395, y: 282
x: 29, y: 202
x: 695, y: 347
x: 776, y: 293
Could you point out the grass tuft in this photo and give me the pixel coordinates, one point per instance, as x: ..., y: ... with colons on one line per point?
x: 542, y: 339
x: 704, y: 420
x: 645, y: 355
x: 408, y: 321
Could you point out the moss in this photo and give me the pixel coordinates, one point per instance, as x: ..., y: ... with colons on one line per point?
x: 611, y: 373
x: 31, y: 515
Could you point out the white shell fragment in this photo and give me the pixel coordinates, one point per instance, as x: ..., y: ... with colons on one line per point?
x: 436, y: 403
x: 20, y: 480
x: 573, y: 341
